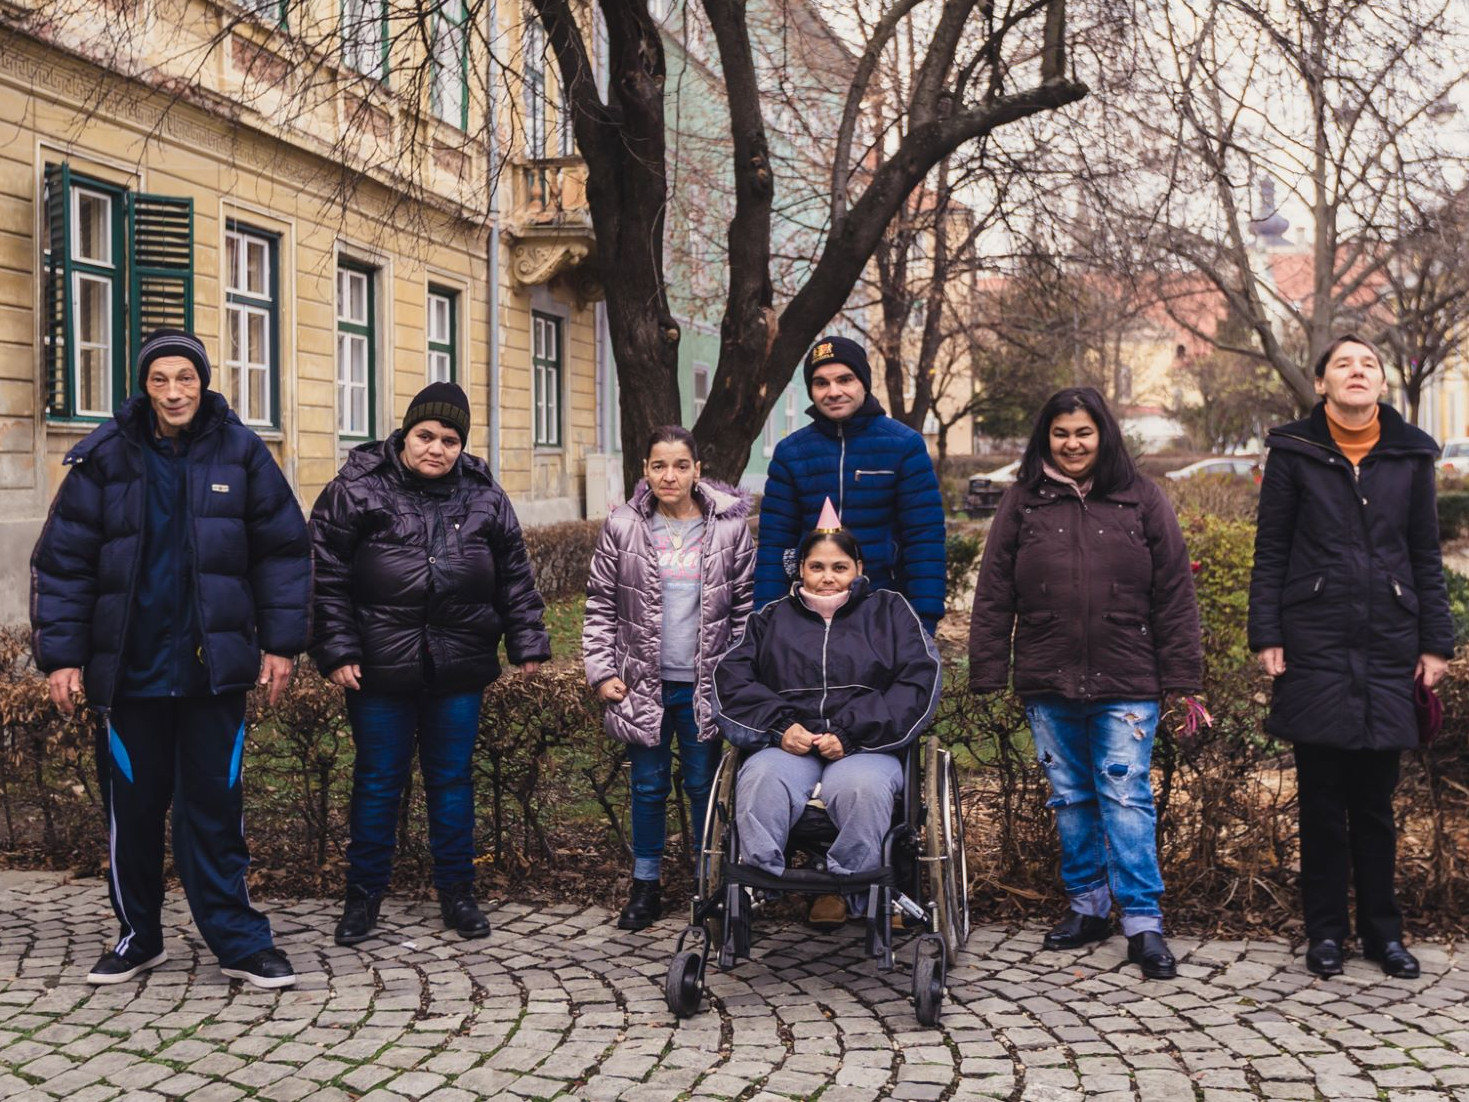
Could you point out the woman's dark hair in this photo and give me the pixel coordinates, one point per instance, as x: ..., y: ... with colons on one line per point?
x: 1347, y: 338
x: 1114, y: 469
x: 842, y: 538
x: 672, y: 434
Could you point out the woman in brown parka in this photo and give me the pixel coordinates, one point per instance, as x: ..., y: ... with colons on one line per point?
x: 671, y: 585
x: 1086, y: 580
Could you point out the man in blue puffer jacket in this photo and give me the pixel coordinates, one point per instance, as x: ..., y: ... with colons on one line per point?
x: 877, y: 472
x: 174, y: 555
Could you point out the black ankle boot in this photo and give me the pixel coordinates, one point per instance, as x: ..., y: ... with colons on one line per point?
x: 1149, y: 950
x: 644, y: 906
x: 461, y: 913
x: 359, y: 916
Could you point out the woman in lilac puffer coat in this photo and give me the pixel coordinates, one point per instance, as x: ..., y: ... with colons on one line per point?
x: 671, y: 584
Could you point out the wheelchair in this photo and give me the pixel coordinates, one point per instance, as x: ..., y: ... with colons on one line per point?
x: 922, y: 887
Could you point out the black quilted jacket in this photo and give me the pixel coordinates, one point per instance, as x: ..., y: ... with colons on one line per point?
x: 418, y: 580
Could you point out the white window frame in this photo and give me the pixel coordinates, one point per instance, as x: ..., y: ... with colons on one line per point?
x: 354, y: 347
x: 365, y: 37
x: 449, y: 92
x: 106, y: 345
x: 548, y: 369
x: 241, y: 303
x: 439, y: 330
x: 700, y: 390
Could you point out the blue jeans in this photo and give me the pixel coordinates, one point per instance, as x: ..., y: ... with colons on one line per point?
x: 652, y: 779
x: 1097, y: 755
x: 385, y: 728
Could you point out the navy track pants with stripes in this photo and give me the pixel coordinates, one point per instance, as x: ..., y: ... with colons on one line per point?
x: 186, y: 751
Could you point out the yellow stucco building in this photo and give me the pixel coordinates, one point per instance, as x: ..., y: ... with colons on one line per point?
x: 343, y: 208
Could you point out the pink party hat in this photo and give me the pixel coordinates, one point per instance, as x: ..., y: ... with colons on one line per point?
x: 828, y: 522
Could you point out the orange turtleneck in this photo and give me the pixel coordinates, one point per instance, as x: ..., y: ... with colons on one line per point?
x: 1355, y: 443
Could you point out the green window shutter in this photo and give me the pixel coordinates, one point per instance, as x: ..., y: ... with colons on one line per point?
x: 57, y: 329
x: 161, y: 265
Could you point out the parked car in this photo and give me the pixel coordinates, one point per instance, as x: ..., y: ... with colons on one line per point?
x: 985, y: 490
x: 1453, y: 461
x: 1224, y: 466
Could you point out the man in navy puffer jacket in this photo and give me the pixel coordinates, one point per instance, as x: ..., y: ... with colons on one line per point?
x: 875, y: 470
x: 174, y: 555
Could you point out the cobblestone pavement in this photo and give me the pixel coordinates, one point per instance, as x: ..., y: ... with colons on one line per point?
x: 559, y: 1004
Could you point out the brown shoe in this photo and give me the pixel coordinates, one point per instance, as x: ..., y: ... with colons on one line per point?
x: 827, y: 912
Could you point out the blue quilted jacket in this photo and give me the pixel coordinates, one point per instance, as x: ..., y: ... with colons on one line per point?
x: 878, y: 474
x: 246, y: 542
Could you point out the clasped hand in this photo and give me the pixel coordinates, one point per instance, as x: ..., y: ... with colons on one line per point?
x: 799, y: 741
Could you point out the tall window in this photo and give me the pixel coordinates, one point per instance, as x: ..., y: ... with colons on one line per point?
x: 546, y: 380
x: 701, y: 389
x: 533, y: 46
x: 365, y: 37
x: 355, y: 352
x: 449, y: 94
x: 791, y: 404
x: 251, y: 324
x: 442, y: 359
x: 267, y: 11
x: 117, y: 265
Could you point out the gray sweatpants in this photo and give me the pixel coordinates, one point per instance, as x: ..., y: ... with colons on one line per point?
x: 858, y: 792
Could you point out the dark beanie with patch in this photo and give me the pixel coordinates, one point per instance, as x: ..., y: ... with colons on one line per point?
x: 172, y: 342
x: 839, y: 350
x: 440, y: 402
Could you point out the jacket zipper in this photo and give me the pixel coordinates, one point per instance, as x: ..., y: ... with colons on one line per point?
x: 1086, y: 596
x: 127, y: 614
x: 857, y: 475
x: 825, y: 636
x: 842, y: 472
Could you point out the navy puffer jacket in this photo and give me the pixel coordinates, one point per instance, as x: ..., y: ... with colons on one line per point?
x: 871, y: 675
x: 878, y: 474
x: 1348, y: 579
x: 418, y: 579
x: 247, y: 545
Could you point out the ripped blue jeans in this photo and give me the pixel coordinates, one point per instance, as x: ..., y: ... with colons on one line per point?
x: 1097, y: 755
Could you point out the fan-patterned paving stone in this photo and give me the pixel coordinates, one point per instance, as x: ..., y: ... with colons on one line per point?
x: 559, y: 1004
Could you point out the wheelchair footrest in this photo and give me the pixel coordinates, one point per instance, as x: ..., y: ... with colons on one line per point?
x: 808, y: 880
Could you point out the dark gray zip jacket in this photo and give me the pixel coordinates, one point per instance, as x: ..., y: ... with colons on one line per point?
x: 871, y: 675
x: 1348, y: 579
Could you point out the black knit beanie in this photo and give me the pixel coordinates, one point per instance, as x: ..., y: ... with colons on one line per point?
x: 839, y: 350
x: 440, y: 402
x: 172, y: 342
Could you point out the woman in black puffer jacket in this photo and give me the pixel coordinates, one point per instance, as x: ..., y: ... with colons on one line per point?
x: 420, y: 570
x: 1347, y: 605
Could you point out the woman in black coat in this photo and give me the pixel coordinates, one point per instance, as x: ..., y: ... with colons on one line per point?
x: 420, y: 570
x: 1347, y: 608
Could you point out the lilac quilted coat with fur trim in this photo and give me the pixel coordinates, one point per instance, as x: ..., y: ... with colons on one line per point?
x: 621, y: 636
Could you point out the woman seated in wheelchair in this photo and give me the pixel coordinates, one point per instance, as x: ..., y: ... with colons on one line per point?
x: 827, y: 687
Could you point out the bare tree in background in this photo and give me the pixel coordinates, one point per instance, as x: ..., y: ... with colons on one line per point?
x: 1425, y: 291
x: 1333, y: 102
x: 981, y: 70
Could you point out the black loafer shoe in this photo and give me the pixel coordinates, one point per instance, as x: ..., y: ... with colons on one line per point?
x: 461, y: 913
x: 1324, y: 957
x: 1396, y: 961
x: 644, y: 906
x: 359, y: 916
x: 1149, y: 950
x: 1076, y: 930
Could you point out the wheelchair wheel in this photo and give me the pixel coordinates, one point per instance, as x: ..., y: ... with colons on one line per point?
x: 943, y: 846
x: 682, y: 989
x: 928, y: 990
x: 710, y: 861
